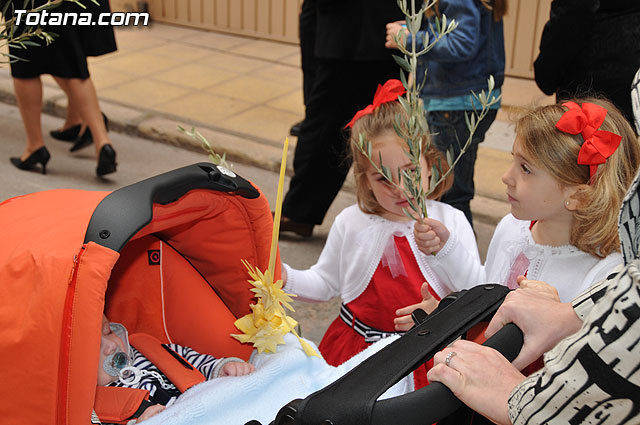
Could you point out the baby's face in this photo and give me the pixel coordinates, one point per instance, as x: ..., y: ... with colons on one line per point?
x: 109, y: 344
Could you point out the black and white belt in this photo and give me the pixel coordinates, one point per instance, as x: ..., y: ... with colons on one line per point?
x: 369, y: 333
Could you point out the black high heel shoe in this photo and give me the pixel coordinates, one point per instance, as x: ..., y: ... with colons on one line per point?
x: 68, y: 135
x: 106, y: 161
x: 85, y: 139
x: 40, y: 156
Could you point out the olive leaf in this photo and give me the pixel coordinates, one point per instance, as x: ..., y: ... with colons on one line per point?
x: 413, y: 127
x: 30, y: 36
x: 215, y: 158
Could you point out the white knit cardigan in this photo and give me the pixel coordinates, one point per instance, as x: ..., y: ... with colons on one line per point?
x: 355, y: 246
x: 567, y: 268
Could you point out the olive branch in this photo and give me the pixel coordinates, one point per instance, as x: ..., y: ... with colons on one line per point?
x: 25, y: 39
x: 412, y: 126
x: 214, y: 157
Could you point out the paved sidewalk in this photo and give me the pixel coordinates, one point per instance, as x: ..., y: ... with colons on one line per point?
x: 243, y: 95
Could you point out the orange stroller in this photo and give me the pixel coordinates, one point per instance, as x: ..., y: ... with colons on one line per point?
x: 161, y: 256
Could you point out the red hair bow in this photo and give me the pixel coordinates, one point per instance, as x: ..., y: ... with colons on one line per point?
x: 598, y: 144
x: 388, y: 92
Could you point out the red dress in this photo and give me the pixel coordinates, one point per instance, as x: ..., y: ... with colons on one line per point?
x: 376, y: 306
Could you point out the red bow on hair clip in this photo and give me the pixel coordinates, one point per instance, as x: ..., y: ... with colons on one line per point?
x: 598, y: 144
x: 388, y: 92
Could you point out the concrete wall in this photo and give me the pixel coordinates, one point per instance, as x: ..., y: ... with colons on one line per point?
x: 523, y: 26
x: 269, y: 19
x: 278, y: 20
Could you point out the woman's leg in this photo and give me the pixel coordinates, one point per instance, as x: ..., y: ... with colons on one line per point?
x: 29, y: 96
x: 83, y: 94
x: 73, y: 117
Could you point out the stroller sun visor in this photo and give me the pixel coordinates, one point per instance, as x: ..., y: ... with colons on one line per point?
x: 178, y: 277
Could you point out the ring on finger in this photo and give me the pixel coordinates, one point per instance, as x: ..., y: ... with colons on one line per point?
x: 450, y: 355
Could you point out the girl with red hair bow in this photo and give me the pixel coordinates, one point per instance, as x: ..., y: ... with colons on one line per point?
x: 572, y: 164
x: 371, y: 259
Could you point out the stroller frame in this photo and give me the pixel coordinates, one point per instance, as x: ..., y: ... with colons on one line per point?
x: 456, y: 314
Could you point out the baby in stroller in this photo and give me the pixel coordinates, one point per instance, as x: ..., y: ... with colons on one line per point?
x: 122, y: 365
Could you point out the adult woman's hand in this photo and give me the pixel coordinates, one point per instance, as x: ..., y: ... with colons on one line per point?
x: 543, y: 319
x: 479, y: 376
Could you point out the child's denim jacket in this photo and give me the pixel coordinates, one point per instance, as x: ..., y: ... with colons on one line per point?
x: 464, y: 59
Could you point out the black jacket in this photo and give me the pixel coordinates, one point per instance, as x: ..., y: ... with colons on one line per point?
x: 590, y: 47
x: 354, y: 29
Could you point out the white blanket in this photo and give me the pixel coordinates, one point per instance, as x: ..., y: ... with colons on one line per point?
x: 278, y: 379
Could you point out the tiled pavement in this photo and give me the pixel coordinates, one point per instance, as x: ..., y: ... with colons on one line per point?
x: 243, y: 94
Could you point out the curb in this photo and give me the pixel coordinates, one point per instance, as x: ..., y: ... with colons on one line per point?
x: 240, y: 148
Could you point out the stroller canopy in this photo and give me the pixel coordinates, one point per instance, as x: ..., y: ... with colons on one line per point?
x: 162, y: 257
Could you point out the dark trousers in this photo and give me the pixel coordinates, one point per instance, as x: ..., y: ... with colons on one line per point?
x: 320, y: 162
x: 307, y: 45
x: 448, y: 128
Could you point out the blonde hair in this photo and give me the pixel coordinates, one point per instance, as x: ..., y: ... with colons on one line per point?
x: 596, y: 218
x: 374, y: 125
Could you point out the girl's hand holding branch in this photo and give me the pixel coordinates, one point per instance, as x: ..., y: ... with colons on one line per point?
x: 431, y: 235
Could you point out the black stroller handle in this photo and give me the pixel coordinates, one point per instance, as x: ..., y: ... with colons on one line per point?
x: 353, y: 399
x: 125, y: 211
x: 435, y: 401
